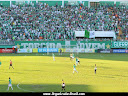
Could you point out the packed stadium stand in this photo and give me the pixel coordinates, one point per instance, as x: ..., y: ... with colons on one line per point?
x: 45, y: 21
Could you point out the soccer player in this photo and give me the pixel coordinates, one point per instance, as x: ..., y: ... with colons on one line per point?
x: 10, y: 84
x: 60, y: 52
x: 53, y: 57
x: 74, y: 68
x: 11, y: 64
x: 95, y: 68
x: 71, y: 56
x: 0, y: 62
x: 63, y: 86
x: 77, y: 61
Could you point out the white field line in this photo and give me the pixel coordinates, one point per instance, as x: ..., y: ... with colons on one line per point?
x: 23, y: 89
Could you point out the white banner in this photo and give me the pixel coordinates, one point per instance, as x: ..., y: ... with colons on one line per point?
x: 92, y: 34
x: 82, y: 34
x: 80, y: 50
x: 24, y: 51
x: 105, y: 34
x: 79, y: 33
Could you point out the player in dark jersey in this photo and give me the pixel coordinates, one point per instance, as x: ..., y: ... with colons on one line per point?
x: 95, y: 68
x: 63, y: 86
x: 60, y: 52
x: 11, y: 64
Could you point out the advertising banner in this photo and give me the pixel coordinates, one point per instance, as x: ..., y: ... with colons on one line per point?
x: 72, y: 50
x: 120, y: 51
x: 64, y: 44
x: 126, y: 51
x: 39, y: 44
x: 63, y: 49
x: 35, y: 50
x: 104, y: 51
x: 24, y: 51
x: 119, y: 44
x: 45, y: 50
x: 89, y: 50
x: 6, y: 46
x: 80, y: 50
x: 6, y: 51
x: 68, y: 50
x: 76, y: 50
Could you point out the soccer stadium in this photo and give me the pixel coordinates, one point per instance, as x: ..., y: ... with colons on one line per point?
x: 63, y: 46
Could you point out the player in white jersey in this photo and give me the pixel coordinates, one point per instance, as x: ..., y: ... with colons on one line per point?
x: 53, y: 57
x: 73, y: 56
x: 74, y: 68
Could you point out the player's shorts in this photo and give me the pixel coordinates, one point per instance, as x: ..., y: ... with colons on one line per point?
x: 63, y: 86
x: 74, y: 69
x: 9, y: 85
x: 78, y: 61
x: 10, y: 64
x: 70, y: 56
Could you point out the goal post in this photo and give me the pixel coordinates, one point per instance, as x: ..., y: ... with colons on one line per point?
x: 47, y: 48
x: 71, y: 49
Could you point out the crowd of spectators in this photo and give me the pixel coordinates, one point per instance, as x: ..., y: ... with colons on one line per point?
x: 44, y: 22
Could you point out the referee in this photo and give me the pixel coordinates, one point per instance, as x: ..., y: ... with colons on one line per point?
x: 95, y: 68
x: 60, y: 52
x: 63, y: 86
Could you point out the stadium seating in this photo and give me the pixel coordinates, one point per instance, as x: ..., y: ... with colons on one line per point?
x: 29, y: 22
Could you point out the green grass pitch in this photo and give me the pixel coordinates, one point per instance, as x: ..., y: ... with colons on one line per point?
x: 39, y: 73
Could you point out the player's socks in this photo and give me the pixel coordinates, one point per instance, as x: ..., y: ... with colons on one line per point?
x: 8, y: 88
x: 12, y: 88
